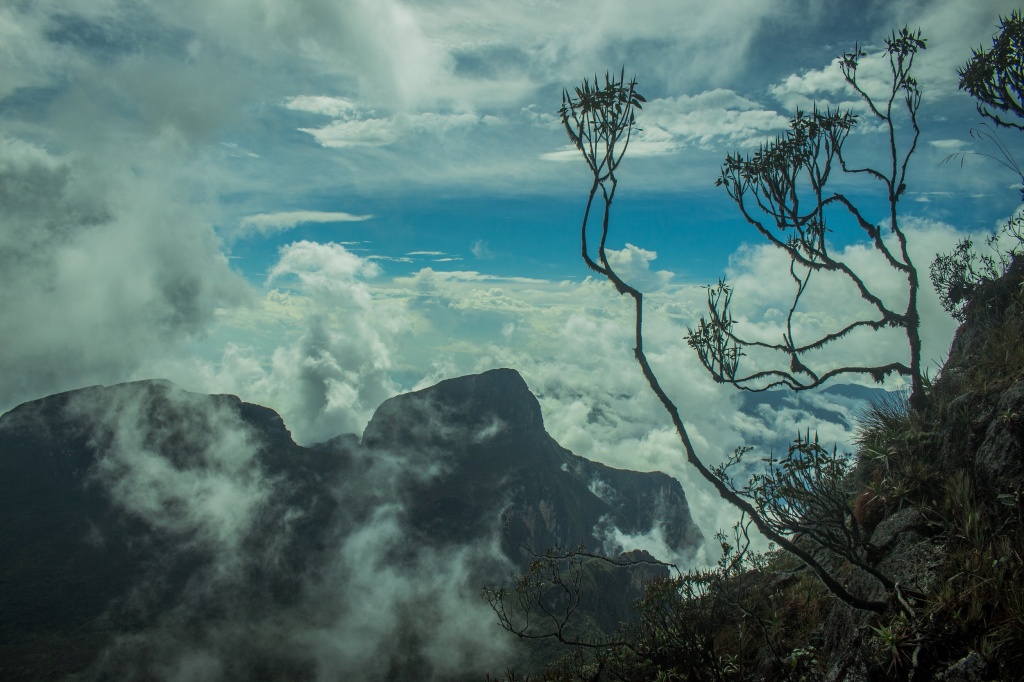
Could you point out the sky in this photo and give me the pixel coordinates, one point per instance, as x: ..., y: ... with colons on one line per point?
x: 318, y: 205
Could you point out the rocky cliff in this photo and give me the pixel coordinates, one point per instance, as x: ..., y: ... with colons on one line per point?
x: 146, y: 523
x: 485, y: 436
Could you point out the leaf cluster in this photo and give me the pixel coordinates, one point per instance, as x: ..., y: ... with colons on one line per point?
x: 598, y: 117
x: 804, y: 495
x: 995, y: 77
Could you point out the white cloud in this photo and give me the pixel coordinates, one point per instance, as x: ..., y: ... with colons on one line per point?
x: 319, y: 348
x: 952, y: 145
x: 713, y: 120
x: 102, y: 271
x: 826, y: 87
x: 633, y: 265
x: 335, y: 107
x: 715, y: 117
x: 374, y: 132
x: 266, y: 224
x: 481, y: 250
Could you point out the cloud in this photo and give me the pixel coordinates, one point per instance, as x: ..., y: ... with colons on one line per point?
x: 715, y: 117
x: 266, y: 224
x: 710, y: 120
x: 481, y: 250
x: 101, y: 271
x: 335, y: 107
x: 318, y: 347
x: 374, y: 132
x: 633, y: 264
x: 828, y: 86
x: 194, y: 477
x: 952, y: 145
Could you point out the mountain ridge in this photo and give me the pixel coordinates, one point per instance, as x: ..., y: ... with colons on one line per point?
x: 140, y: 514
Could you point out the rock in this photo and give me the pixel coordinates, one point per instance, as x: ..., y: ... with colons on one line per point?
x: 971, y: 668
x: 909, y: 520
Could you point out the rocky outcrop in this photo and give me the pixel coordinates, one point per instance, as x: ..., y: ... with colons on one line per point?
x: 495, y: 464
x: 971, y: 444
x: 982, y: 427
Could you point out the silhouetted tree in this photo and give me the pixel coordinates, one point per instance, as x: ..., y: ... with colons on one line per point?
x: 784, y: 191
x: 996, y: 78
x: 599, y: 120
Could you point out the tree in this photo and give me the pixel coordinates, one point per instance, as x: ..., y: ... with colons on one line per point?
x: 996, y: 78
x: 600, y: 119
x: 783, y: 190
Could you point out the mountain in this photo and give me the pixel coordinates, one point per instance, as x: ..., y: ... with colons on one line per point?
x: 122, y: 507
x: 146, y: 531
x: 486, y: 434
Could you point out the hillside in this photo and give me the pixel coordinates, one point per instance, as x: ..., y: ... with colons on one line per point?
x: 931, y: 507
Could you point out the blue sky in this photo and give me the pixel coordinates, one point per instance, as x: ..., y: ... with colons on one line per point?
x: 316, y: 205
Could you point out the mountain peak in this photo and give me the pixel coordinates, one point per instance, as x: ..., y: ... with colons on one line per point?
x: 495, y: 399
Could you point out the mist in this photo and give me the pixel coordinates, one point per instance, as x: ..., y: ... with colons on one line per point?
x: 373, y: 603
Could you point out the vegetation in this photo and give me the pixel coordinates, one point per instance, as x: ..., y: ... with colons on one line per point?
x: 995, y: 78
x: 904, y: 561
x: 778, y: 180
x: 783, y: 190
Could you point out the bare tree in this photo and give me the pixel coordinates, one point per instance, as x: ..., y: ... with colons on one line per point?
x: 599, y: 120
x: 784, y: 191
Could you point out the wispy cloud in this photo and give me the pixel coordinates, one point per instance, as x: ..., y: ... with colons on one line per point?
x: 376, y: 132
x: 266, y: 224
x: 481, y: 250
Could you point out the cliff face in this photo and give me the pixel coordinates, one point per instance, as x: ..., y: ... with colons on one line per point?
x: 496, y: 464
x: 982, y: 388
x: 952, y: 533
x: 147, y: 522
x: 120, y: 505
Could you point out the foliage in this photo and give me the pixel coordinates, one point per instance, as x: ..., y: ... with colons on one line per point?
x: 897, y: 465
x: 980, y: 604
x: 804, y: 496
x: 730, y: 621
x: 783, y: 190
x: 560, y: 595
x: 995, y: 78
x: 957, y: 276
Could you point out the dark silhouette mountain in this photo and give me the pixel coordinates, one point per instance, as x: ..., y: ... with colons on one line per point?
x: 93, y: 543
x: 143, y: 508
x: 486, y: 435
